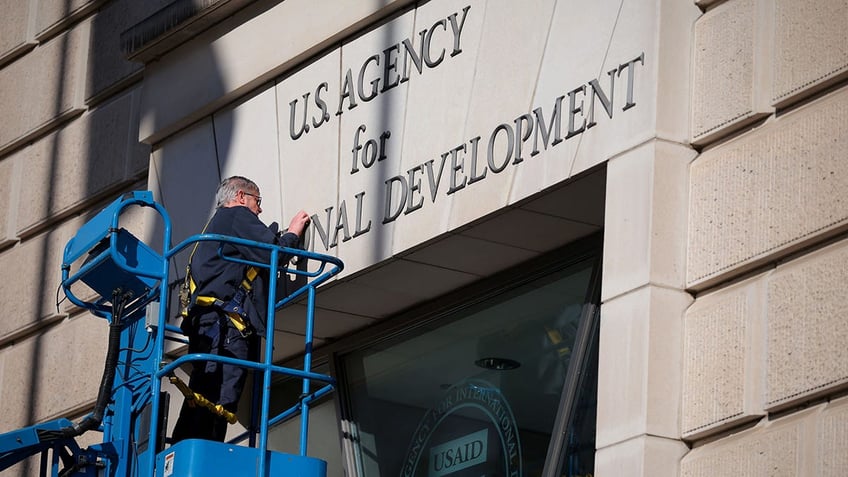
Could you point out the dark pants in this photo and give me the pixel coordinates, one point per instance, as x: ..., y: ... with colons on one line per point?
x: 219, y: 383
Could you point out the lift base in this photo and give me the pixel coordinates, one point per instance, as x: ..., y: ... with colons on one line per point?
x: 201, y: 458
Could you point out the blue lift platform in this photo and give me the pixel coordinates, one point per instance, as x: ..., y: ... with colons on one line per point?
x: 131, y: 283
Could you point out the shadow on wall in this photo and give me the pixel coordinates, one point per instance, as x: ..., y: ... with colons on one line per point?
x: 95, y: 157
x: 109, y: 161
x: 184, y: 175
x: 43, y: 266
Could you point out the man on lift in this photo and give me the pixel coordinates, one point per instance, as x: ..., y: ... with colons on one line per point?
x: 228, y: 304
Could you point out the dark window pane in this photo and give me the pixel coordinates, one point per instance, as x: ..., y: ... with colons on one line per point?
x: 476, y: 392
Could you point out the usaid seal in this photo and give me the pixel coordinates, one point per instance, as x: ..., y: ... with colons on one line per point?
x: 471, y: 431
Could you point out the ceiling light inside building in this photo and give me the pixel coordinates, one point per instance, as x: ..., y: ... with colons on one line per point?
x: 497, y: 364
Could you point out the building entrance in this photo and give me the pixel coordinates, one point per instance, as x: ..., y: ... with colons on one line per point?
x: 478, y: 388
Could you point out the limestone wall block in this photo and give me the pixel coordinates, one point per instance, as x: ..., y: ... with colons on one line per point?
x: 645, y: 456
x: 43, y: 87
x: 773, y: 449
x: 53, y: 16
x: 807, y: 329
x: 54, y: 373
x: 723, y: 359
x: 645, y: 217
x: 769, y: 192
x: 639, y: 380
x: 16, y: 25
x: 7, y: 183
x: 33, y: 271
x: 728, y: 79
x: 831, y: 460
x: 809, y: 443
x: 811, y: 47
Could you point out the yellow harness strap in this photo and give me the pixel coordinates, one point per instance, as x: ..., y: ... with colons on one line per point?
x: 190, y: 286
x: 240, y: 324
x: 194, y: 399
x: 249, y: 276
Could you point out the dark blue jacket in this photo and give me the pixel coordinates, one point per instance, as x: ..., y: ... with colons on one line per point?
x: 220, y: 278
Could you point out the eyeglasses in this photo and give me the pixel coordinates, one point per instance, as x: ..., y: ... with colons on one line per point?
x: 258, y: 198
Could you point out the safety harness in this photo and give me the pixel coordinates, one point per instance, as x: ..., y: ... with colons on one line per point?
x: 234, y: 308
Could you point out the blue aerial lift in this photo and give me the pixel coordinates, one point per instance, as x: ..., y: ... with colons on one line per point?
x: 131, y: 283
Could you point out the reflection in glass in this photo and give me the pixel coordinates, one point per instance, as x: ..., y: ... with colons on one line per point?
x: 474, y: 393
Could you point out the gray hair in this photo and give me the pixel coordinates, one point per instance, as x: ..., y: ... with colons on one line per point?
x: 229, y: 187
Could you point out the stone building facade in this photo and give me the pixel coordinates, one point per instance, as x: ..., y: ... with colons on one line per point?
x: 692, y: 150
x: 68, y: 146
